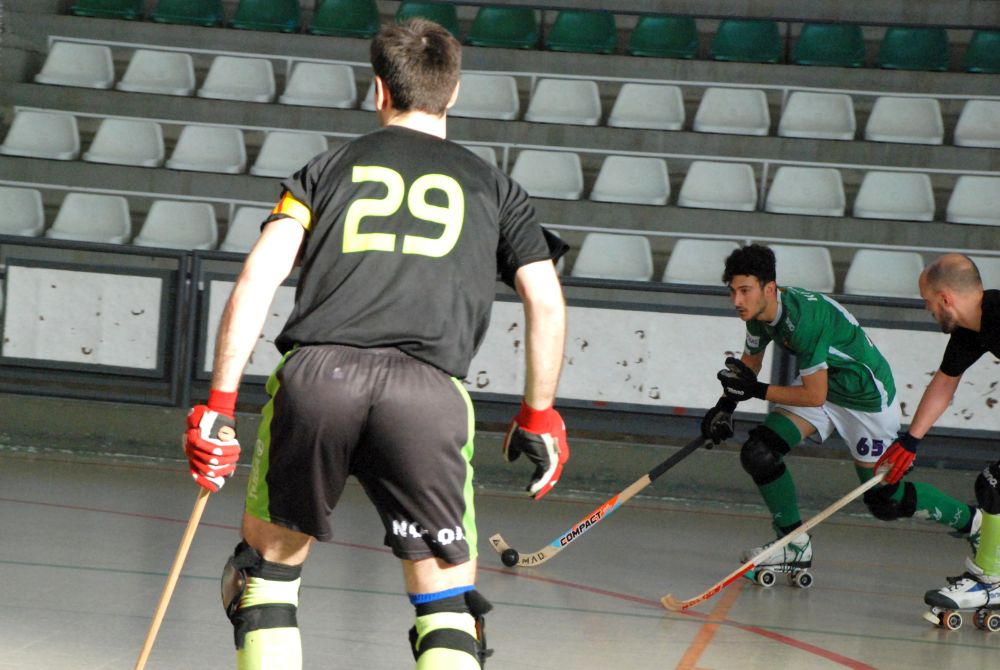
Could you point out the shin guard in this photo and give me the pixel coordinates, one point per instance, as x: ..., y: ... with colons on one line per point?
x: 261, y: 599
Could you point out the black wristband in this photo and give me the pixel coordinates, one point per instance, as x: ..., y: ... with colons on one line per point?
x: 759, y: 391
x: 908, y: 442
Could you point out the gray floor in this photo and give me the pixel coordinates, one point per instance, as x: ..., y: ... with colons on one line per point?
x: 85, y: 546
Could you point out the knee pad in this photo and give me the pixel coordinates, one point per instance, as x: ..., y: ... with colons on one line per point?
x: 270, y: 601
x: 761, y: 455
x: 883, y: 505
x: 453, y: 622
x: 988, y: 489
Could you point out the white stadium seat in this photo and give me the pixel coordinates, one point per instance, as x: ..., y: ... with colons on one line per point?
x: 611, y: 256
x: 38, y: 134
x: 885, y: 273
x: 650, y: 106
x: 321, y: 85
x: 809, y: 191
x: 179, y: 225
x: 127, y: 142
x: 487, y: 96
x: 566, y: 101
x: 632, y: 179
x: 87, y: 217
x: 239, y: 78
x: 734, y: 111
x: 368, y: 104
x: 810, y: 268
x: 163, y: 72
x: 72, y: 64
x: 711, y: 185
x: 908, y: 120
x: 209, y: 149
x: 284, y: 152
x: 906, y: 196
x: 23, y: 212
x: 975, y: 200
x: 979, y: 124
x: 244, y: 229
x: 989, y: 270
x: 488, y: 154
x: 698, y: 261
x: 820, y: 116
x: 549, y: 174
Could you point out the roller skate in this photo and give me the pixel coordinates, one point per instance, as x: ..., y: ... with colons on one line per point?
x: 972, y: 591
x: 794, y: 560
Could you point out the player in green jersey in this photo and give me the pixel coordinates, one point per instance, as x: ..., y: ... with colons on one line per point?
x: 844, y: 384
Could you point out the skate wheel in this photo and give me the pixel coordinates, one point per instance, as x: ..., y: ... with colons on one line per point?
x: 951, y: 620
x: 766, y: 578
x: 991, y: 622
x: 802, y: 579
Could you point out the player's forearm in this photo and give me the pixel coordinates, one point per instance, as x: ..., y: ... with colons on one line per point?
x: 545, y: 341
x: 239, y: 329
x: 937, y: 396
x: 797, y: 396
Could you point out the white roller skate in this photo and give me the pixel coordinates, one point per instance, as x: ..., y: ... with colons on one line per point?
x: 794, y: 559
x: 972, y: 591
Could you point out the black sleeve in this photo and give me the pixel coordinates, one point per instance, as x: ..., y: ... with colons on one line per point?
x: 522, y: 240
x: 962, y: 351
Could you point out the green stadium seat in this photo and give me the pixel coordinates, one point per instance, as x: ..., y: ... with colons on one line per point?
x: 345, y: 18
x: 109, y: 9
x: 189, y: 12
x: 748, y: 41
x: 440, y: 13
x: 983, y: 52
x: 832, y: 44
x: 280, y: 16
x: 506, y: 27
x: 915, y: 49
x: 665, y: 37
x: 583, y: 31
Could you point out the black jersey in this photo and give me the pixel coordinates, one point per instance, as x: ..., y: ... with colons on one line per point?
x: 965, y: 346
x: 404, y: 234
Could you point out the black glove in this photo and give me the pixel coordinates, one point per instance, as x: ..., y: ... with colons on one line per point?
x: 739, y: 382
x: 717, y: 424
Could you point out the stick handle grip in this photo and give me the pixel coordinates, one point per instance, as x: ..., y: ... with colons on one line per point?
x: 172, y: 576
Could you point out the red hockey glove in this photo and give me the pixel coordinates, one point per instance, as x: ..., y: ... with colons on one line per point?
x: 739, y: 382
x: 210, y: 442
x: 541, y: 436
x: 899, y: 457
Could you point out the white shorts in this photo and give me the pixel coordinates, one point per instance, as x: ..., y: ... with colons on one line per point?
x: 867, y: 434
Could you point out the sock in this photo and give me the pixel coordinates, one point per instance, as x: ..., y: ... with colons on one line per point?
x: 988, y: 556
x: 937, y: 506
x: 270, y: 648
x: 864, y: 474
x: 782, y: 500
x: 784, y: 427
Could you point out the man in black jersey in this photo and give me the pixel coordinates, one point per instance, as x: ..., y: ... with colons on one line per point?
x: 953, y: 292
x: 400, y: 235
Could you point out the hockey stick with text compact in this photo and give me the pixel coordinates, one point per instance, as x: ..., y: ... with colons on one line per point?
x: 175, y: 571
x: 675, y: 605
x: 511, y: 557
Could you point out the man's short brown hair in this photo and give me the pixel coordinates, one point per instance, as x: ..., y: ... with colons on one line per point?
x: 419, y: 62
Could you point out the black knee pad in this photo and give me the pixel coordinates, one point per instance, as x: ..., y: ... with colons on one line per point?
x: 243, y: 564
x: 882, y: 505
x: 472, y: 603
x: 988, y: 489
x: 761, y: 455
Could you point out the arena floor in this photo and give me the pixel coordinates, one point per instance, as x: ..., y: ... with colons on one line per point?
x: 85, y: 546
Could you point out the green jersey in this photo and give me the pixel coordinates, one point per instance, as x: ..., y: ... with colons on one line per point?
x: 822, y: 334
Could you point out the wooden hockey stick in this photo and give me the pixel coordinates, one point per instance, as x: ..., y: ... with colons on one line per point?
x: 675, y: 605
x: 175, y: 571
x: 511, y: 557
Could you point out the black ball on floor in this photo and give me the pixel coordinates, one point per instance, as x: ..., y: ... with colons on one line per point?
x: 510, y: 557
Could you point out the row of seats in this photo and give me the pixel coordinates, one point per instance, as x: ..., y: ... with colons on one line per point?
x: 545, y: 174
x: 655, y: 35
x: 89, y: 217
x: 872, y: 272
x: 742, y: 111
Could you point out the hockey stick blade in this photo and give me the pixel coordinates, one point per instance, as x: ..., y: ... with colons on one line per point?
x: 511, y: 557
x: 675, y: 605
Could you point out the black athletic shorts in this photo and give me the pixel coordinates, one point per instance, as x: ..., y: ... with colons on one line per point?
x: 402, y: 427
